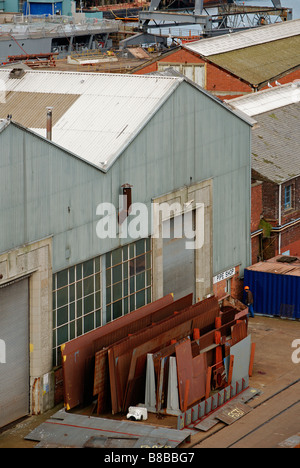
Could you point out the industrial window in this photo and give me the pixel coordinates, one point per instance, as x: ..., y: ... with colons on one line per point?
x: 128, y: 278
x: 288, y: 197
x: 193, y: 71
x: 76, y: 303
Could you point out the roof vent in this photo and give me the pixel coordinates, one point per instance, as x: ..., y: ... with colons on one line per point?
x: 17, y: 73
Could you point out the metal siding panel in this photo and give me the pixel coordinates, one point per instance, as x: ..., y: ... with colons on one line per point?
x: 178, y: 265
x: 14, y: 372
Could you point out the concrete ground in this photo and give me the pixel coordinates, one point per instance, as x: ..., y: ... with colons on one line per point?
x: 275, y: 415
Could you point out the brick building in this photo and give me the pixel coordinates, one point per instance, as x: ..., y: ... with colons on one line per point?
x: 275, y: 207
x: 224, y: 65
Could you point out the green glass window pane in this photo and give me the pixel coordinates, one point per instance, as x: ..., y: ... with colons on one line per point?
x: 97, y: 264
x: 131, y: 251
x: 79, y: 272
x: 79, y: 290
x: 62, y: 297
x: 79, y: 327
x: 88, y: 323
x: 108, y: 260
x: 140, y: 299
x: 125, y: 253
x: 72, y: 311
x: 108, y: 295
x: 72, y: 330
x: 132, y: 284
x: 125, y: 288
x: 116, y: 256
x: 54, y: 300
x: 62, y: 315
x: 140, y: 281
x: 79, y: 308
x: 108, y: 277
x: 108, y: 314
x: 62, y: 279
x: 148, y: 277
x: 117, y: 291
x: 98, y: 318
x: 117, y: 274
x: 88, y: 268
x: 54, y: 358
x: 140, y: 247
x: 149, y: 295
x: 62, y: 335
x: 140, y: 264
x: 72, y: 293
x: 117, y: 309
x: 98, y: 300
x: 88, y: 286
x: 132, y: 302
x: 54, y: 338
x: 125, y: 270
x: 89, y: 304
x: 125, y: 306
x: 71, y: 275
x: 148, y: 260
x: 148, y: 244
x: 132, y: 267
x: 97, y: 282
x: 54, y: 318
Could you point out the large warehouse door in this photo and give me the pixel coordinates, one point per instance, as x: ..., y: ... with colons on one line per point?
x: 178, y: 261
x: 14, y: 352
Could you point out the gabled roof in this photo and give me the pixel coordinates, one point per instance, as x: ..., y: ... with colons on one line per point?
x: 95, y: 116
x: 276, y: 135
x: 255, y: 56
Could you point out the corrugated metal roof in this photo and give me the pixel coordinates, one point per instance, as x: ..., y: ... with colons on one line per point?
x: 99, y: 113
x: 268, y: 99
x: 276, y: 137
x: 263, y: 62
x: 243, y: 39
x: 275, y: 266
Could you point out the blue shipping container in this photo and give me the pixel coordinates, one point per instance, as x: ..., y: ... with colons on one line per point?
x: 274, y: 294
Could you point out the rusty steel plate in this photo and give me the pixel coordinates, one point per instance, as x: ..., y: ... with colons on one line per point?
x: 232, y: 412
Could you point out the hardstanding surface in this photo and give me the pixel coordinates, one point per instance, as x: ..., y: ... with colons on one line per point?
x: 275, y: 415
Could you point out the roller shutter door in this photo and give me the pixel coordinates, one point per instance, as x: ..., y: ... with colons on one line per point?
x: 178, y: 263
x: 14, y: 352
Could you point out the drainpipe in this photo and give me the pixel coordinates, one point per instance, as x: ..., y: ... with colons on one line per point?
x: 279, y: 218
x: 49, y: 123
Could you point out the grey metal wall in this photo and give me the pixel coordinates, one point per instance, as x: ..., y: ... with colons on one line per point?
x: 191, y: 138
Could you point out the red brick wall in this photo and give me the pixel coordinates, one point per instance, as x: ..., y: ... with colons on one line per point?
x: 219, y: 289
x: 219, y: 82
x: 256, y: 205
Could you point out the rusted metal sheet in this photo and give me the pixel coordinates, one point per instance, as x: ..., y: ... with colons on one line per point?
x: 136, y: 371
x: 238, y: 332
x: 232, y: 412
x: 205, y: 310
x: 191, y: 375
x: 77, y: 353
x: 119, y: 379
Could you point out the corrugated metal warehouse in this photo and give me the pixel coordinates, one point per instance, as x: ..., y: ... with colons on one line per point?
x: 158, y: 139
x: 231, y: 65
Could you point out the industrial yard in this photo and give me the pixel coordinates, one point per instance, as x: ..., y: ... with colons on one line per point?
x: 275, y: 412
x: 150, y: 227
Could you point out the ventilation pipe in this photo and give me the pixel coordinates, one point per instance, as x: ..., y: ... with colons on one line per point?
x: 49, y: 123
